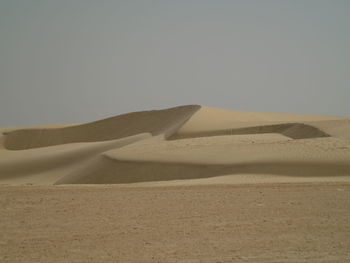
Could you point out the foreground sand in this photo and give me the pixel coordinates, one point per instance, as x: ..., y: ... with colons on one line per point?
x: 236, y: 223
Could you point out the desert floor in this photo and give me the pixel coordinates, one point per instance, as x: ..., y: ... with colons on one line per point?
x: 306, y: 222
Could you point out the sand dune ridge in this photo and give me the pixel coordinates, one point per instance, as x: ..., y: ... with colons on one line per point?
x: 186, y: 143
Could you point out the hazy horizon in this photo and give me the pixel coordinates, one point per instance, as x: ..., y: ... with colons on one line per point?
x: 78, y: 61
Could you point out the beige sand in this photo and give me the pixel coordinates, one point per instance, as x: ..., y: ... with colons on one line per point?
x: 198, y: 224
x: 183, y: 145
x: 187, y: 184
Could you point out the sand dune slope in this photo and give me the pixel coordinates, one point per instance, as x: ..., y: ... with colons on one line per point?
x: 187, y: 144
x: 154, y: 122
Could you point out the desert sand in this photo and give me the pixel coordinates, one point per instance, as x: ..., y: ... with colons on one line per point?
x: 185, y: 184
x: 174, y: 145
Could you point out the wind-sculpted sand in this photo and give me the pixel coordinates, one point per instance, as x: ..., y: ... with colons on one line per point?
x: 186, y: 184
x: 183, y: 145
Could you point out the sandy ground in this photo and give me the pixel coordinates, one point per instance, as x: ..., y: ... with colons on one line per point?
x: 185, y: 184
x: 227, y: 223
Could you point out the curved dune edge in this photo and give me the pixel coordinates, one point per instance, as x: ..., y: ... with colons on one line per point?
x: 105, y: 171
x: 154, y: 122
x: 291, y: 130
x: 47, y: 165
x: 186, y: 143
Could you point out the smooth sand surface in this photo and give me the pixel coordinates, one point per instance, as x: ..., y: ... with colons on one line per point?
x: 182, y: 145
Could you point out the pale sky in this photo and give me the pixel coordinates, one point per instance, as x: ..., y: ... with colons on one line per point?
x: 71, y: 61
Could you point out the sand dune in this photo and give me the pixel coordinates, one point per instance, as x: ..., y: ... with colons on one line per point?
x: 154, y: 122
x: 187, y: 144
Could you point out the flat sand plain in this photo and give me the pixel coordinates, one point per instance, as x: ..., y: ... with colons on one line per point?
x: 185, y: 184
x: 216, y: 223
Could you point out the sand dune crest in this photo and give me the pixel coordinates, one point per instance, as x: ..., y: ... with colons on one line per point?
x: 186, y: 143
